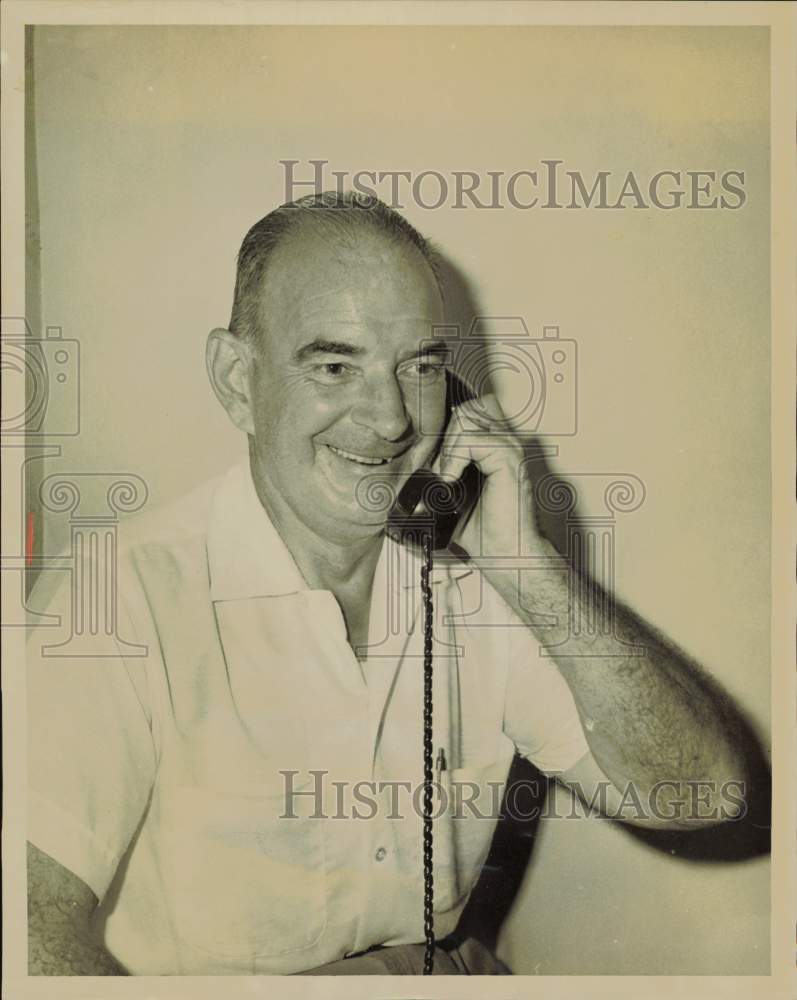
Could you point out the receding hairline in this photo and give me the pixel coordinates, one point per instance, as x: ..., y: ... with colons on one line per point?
x: 345, y: 222
x: 346, y: 243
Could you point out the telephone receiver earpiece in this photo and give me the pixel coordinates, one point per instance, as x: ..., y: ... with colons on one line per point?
x: 443, y: 503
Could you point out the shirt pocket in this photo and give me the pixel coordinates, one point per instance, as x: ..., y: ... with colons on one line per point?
x: 247, y: 879
x: 464, y: 829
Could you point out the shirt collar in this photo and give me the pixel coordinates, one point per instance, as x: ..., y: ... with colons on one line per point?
x: 248, y: 558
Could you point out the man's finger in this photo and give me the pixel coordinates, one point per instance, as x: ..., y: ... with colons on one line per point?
x: 484, y: 409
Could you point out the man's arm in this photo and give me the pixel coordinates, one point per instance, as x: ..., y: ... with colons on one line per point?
x: 60, y: 907
x: 649, y: 720
x: 653, y: 722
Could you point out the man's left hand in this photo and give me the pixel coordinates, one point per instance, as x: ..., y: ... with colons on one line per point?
x: 479, y: 432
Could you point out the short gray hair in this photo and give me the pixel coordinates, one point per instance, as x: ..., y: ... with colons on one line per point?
x: 340, y: 214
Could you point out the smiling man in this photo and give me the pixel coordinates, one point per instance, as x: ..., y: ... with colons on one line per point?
x: 321, y: 369
x: 199, y: 810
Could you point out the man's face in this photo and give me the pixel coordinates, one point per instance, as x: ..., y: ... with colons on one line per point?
x: 337, y: 382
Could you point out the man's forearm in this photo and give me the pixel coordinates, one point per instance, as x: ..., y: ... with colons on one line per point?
x: 58, y: 947
x: 60, y: 909
x: 648, y: 718
x: 60, y: 943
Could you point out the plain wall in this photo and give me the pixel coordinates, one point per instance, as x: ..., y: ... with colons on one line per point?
x: 157, y: 148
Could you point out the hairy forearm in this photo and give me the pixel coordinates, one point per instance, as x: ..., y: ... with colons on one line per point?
x: 60, y: 937
x: 59, y: 946
x: 649, y: 714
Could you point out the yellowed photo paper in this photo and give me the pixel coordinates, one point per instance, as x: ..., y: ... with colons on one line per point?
x: 395, y: 529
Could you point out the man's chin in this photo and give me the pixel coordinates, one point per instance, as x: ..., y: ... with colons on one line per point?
x: 344, y: 526
x: 370, y: 515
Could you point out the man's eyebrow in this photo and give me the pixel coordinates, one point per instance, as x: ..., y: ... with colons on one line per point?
x: 432, y: 349
x: 320, y: 346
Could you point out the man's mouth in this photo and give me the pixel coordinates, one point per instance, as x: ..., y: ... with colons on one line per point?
x: 360, y: 459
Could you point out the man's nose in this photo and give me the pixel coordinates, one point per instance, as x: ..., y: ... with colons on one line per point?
x: 381, y: 408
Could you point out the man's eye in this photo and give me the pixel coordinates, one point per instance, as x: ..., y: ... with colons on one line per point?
x: 424, y: 371
x: 332, y: 371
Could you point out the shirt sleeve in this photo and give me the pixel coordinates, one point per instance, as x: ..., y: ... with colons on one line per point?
x: 91, y: 758
x: 540, y: 714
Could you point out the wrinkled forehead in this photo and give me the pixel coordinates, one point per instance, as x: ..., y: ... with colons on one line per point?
x: 369, y: 289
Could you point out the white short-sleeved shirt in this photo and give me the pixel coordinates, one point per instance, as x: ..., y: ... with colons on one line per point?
x: 240, y: 798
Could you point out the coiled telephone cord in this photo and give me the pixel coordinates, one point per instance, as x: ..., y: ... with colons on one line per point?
x: 428, y: 757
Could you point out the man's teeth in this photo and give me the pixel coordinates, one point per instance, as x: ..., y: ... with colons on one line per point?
x: 362, y: 459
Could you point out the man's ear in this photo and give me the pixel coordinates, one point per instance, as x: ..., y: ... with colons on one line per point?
x: 228, y: 360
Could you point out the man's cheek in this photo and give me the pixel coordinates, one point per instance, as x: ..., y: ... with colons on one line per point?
x: 423, y: 454
x: 305, y: 396
x: 323, y: 408
x: 292, y: 420
x: 429, y: 422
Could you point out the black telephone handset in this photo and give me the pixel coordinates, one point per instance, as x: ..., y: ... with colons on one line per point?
x: 443, y: 503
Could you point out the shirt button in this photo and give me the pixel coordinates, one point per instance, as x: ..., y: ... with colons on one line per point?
x: 381, y: 854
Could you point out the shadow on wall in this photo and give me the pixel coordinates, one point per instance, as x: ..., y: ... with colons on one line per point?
x: 512, y: 848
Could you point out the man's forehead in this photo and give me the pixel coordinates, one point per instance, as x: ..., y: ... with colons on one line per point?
x: 388, y: 293
x: 308, y: 269
x: 350, y: 307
